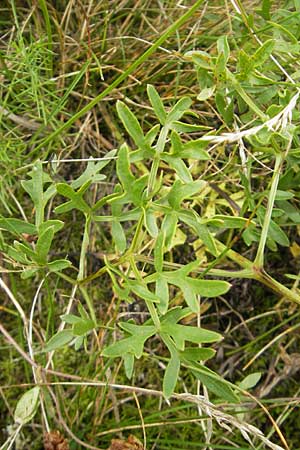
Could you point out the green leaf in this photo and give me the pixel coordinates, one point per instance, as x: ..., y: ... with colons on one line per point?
x: 179, y: 166
x: 142, y: 291
x: 223, y: 47
x: 230, y: 221
x: 76, y: 198
x: 128, y: 359
x: 168, y: 226
x: 157, y: 104
x: 132, y: 344
x: 263, y: 52
x: 131, y: 125
x: 118, y: 236
x: 92, y: 170
x: 55, y: 224
x: 194, y: 150
x: 162, y: 292
x: 182, y: 127
x: 78, y: 342
x: 58, y: 265
x: 206, y: 93
x: 178, y: 110
x: 71, y: 319
x: 43, y: 245
x: 159, y: 252
x: 17, y: 226
x: 27, y: 406
x: 182, y: 333
x: 150, y: 222
x: 215, y: 383
x: 35, y: 189
x: 171, y: 375
x: 28, y: 273
x: 277, y: 234
x: 59, y: 340
x: 250, y: 381
x: 197, y: 353
x: 181, y: 191
x: 83, y: 327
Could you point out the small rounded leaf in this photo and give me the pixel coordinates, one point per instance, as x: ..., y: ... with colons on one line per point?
x: 27, y: 406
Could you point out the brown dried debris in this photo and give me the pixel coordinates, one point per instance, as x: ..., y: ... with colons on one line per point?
x: 132, y: 443
x: 55, y: 441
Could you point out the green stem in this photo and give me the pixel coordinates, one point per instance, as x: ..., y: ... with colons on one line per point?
x: 266, y: 279
x: 259, y: 259
x: 150, y: 306
x: 155, y: 165
x: 84, y: 247
x: 172, y: 29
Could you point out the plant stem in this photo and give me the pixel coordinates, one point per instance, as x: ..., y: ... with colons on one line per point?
x: 155, y: 165
x: 259, y: 259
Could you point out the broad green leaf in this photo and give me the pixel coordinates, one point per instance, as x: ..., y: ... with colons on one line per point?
x: 157, y: 104
x: 131, y: 125
x: 132, y: 344
x: 55, y: 224
x: 59, y: 340
x: 162, y: 292
x: 208, y: 288
x: 168, y: 226
x: 17, y: 255
x: 177, y: 145
x: 230, y: 221
x: 290, y: 210
x: 197, y: 353
x: 142, y: 291
x: 28, y: 273
x: 201, y: 59
x: 182, y: 333
x: 182, y: 127
x: 190, y: 296
x: 43, y: 245
x: 35, y: 189
x: 123, y: 168
x: 128, y: 359
x: 179, y: 166
x: 263, y: 52
x: 224, y: 106
x: 159, y: 252
x: 223, y: 47
x: 206, y: 93
x: 25, y: 249
x: 58, y: 265
x: 78, y: 342
x: 215, y: 383
x: 150, y: 222
x: 277, y: 234
x: 195, y: 150
x: 283, y: 195
x: 178, y: 110
x: 92, y: 170
x: 181, y: 191
x: 250, y: 381
x: 27, y: 406
x: 83, y: 327
x: 138, y: 330
x: 76, y: 198
x: 71, y: 319
x: 17, y: 226
x: 118, y: 236
x: 171, y: 375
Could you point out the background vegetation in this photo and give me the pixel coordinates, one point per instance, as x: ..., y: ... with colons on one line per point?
x: 230, y: 159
